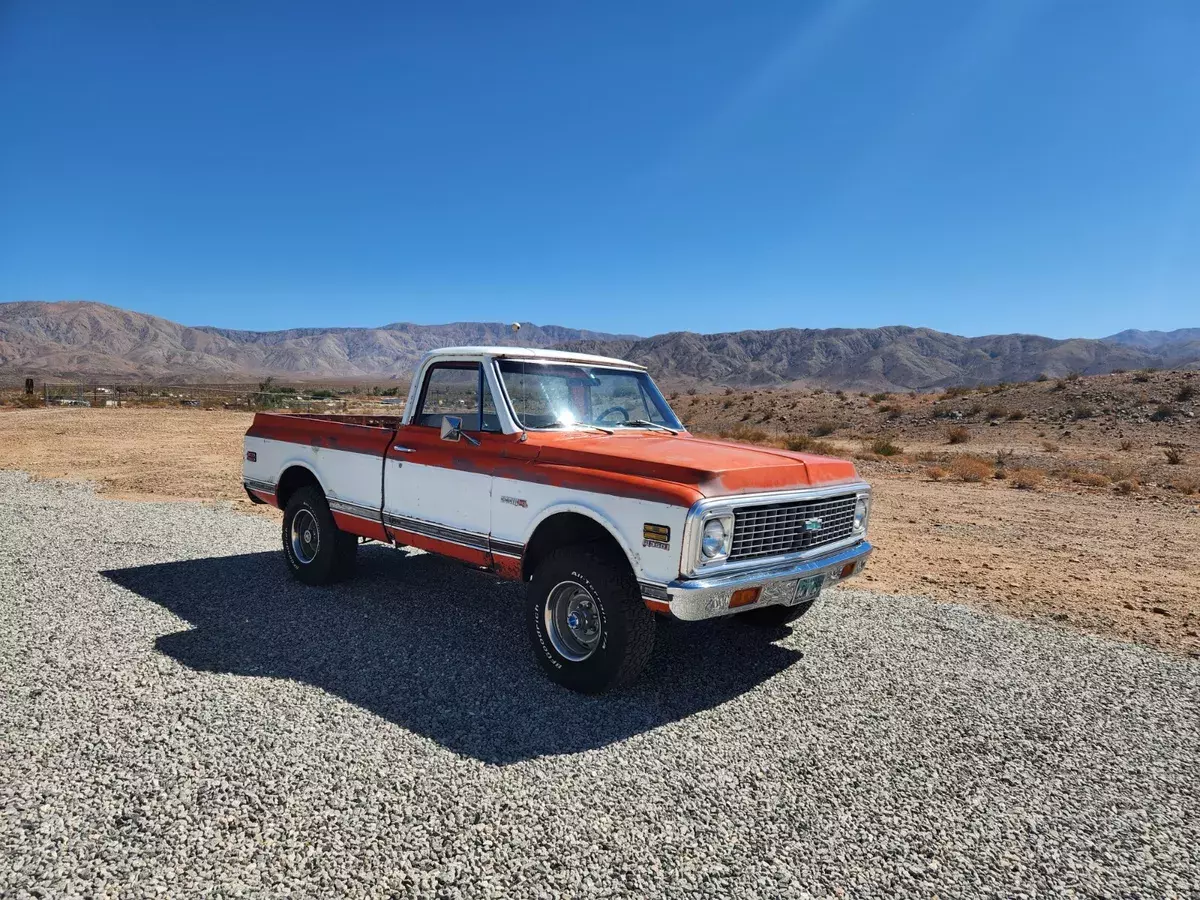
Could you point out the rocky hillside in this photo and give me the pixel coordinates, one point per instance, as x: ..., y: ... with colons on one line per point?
x: 1181, y: 343
x: 81, y: 339
x: 879, y: 358
x: 74, y: 339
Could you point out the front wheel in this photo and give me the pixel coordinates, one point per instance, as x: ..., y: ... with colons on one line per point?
x: 590, y: 629
x: 317, y: 551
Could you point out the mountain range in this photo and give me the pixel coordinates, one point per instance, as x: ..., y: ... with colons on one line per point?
x: 81, y: 339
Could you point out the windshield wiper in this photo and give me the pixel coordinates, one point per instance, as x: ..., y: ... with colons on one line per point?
x: 645, y: 423
x: 578, y: 425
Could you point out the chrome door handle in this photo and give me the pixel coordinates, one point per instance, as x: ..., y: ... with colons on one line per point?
x: 400, y: 449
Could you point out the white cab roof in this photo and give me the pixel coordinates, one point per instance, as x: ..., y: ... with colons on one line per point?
x: 532, y: 353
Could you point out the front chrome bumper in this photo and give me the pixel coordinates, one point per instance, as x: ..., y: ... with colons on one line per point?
x: 704, y: 598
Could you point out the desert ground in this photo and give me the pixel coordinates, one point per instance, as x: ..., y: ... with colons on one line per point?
x: 1056, y: 500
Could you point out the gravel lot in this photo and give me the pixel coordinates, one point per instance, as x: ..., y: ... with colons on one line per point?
x: 177, y: 717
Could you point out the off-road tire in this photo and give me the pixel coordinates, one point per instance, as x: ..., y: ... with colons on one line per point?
x: 627, y: 625
x: 776, y: 616
x: 337, y: 550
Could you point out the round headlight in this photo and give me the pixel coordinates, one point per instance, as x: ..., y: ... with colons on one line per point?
x: 861, y: 508
x: 713, y: 544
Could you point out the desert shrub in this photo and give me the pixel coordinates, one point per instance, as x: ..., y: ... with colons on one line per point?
x: 1004, y: 458
x: 1060, y: 385
x: 1084, y: 412
x: 823, y: 429
x: 745, y: 417
x: 744, y: 434
x: 1186, y: 394
x: 1074, y: 376
x: 996, y: 412
x: 1126, y: 445
x: 971, y: 468
x: 1091, y: 479
x: 1141, y: 377
x: 1027, y: 479
x: 797, y: 443
x: 931, y: 456
x: 956, y: 391
x: 727, y: 404
x: 1050, y: 446
x: 1126, y: 486
x: 958, y: 434
x: 1042, y: 376
x: 839, y: 393
x: 802, y: 443
x: 1164, y: 412
x: 1016, y: 415
x: 1186, y: 485
x: 1118, y: 371
x: 674, y: 395
x: 691, y: 392
x: 974, y: 409
x: 881, y: 396
x: 883, y: 446
x: 1174, y: 455
x: 936, y: 473
x: 728, y: 392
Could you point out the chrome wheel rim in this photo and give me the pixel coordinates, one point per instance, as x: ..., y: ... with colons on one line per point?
x: 306, y: 537
x: 573, y: 621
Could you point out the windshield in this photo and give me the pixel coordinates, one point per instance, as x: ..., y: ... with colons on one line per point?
x: 564, y: 395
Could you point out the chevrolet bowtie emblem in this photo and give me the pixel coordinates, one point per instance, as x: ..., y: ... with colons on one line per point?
x: 813, y: 524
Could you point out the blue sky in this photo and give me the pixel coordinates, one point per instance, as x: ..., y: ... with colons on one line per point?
x: 636, y: 167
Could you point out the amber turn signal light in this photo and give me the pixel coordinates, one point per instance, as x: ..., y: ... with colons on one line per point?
x: 744, y: 597
x: 848, y: 570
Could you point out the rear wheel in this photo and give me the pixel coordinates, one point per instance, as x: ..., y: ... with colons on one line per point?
x: 317, y: 551
x: 776, y: 615
x: 590, y: 629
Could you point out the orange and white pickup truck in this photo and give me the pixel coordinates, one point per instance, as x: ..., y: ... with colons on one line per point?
x: 569, y: 472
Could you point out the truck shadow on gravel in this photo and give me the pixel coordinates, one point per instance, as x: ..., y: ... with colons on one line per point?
x: 437, y: 649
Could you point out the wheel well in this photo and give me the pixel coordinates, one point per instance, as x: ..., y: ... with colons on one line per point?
x: 291, y: 481
x: 564, y: 530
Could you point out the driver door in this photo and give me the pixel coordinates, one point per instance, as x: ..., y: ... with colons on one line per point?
x: 437, y: 493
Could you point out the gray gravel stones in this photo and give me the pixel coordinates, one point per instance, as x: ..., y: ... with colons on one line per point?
x: 179, y: 718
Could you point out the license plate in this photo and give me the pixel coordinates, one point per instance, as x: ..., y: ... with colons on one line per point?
x: 807, y: 589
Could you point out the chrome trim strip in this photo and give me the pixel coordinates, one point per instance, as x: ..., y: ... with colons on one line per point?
x: 507, y: 548
x: 709, y: 506
x: 472, y: 539
x: 705, y: 598
x: 354, y: 509
x: 253, y: 484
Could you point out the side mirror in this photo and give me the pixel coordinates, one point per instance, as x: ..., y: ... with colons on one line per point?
x: 452, y: 430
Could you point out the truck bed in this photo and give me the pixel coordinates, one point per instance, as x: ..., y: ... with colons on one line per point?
x: 355, y: 434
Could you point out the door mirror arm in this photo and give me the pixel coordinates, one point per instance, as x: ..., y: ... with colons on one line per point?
x: 452, y: 430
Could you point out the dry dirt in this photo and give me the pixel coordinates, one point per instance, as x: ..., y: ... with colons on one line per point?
x: 1090, y: 556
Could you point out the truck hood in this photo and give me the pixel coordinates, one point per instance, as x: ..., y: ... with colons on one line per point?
x: 714, y: 468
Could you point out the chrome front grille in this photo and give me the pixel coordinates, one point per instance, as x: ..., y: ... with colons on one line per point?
x: 779, y: 528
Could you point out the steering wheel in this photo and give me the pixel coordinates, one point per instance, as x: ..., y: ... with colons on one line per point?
x: 613, y: 409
